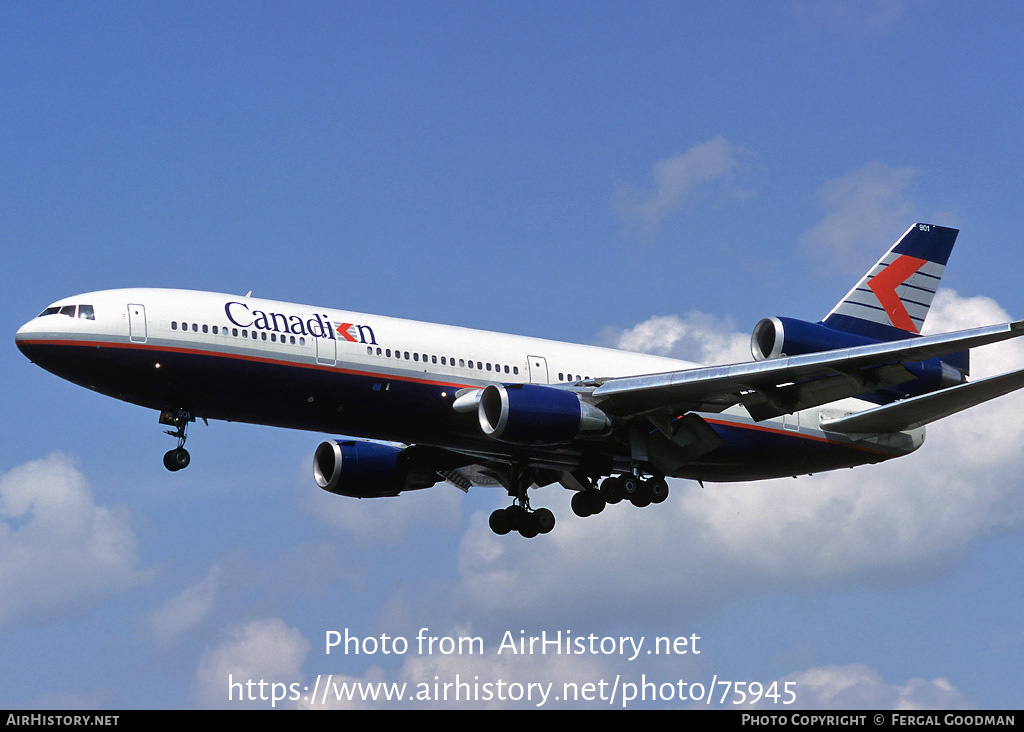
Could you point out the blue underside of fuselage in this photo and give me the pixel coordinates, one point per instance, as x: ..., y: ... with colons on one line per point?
x: 390, y: 407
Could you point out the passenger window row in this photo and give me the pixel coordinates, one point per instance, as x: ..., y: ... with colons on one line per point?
x: 370, y: 351
x: 238, y: 333
x: 444, y: 360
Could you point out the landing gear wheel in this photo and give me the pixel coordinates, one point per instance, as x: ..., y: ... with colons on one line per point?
x: 630, y: 486
x: 643, y: 496
x: 659, y: 490
x: 580, y: 505
x: 611, y: 490
x: 177, y: 459
x: 499, y: 522
x: 529, y: 527
x: 545, y: 520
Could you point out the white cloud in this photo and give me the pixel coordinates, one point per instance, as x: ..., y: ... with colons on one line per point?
x: 864, y: 210
x: 186, y: 610
x: 59, y: 551
x: 695, y: 337
x: 706, y: 546
x: 677, y: 180
x: 265, y: 651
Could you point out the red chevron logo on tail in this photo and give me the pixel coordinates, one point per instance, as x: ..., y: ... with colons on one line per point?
x: 884, y: 286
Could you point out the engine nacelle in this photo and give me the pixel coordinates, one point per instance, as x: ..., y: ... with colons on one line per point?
x: 530, y: 413
x: 776, y: 337
x: 367, y: 469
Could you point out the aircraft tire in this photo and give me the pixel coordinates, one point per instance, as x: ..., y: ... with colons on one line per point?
x: 529, y: 526
x: 611, y: 489
x: 545, y: 520
x: 580, y: 505
x: 499, y: 522
x: 643, y: 496
x: 659, y: 490
x: 175, y: 460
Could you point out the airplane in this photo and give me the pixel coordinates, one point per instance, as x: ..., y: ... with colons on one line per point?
x: 421, y: 403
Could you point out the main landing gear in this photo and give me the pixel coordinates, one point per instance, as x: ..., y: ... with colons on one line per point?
x: 519, y: 516
x: 587, y: 502
x: 178, y: 458
x: 638, y: 491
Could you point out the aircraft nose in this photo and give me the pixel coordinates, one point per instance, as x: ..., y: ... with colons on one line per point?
x: 24, y: 335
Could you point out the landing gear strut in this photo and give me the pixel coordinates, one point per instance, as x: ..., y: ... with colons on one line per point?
x: 178, y: 458
x: 519, y: 516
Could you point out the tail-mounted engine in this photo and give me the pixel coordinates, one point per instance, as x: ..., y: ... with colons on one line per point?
x: 776, y: 337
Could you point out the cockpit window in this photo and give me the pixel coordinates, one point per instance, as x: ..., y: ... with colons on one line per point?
x: 84, y: 311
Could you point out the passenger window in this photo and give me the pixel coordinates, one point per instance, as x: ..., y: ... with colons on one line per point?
x: 195, y: 327
x: 205, y: 328
x: 174, y: 325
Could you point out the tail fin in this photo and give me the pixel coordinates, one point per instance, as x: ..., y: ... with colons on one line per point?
x: 896, y: 293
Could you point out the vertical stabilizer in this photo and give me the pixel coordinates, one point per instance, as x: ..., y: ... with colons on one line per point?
x: 891, y: 301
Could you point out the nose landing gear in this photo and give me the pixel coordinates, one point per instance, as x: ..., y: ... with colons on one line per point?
x: 178, y: 458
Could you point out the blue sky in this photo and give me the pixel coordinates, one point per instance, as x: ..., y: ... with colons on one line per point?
x: 655, y: 176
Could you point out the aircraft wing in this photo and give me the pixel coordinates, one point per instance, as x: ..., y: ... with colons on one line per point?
x: 783, y: 385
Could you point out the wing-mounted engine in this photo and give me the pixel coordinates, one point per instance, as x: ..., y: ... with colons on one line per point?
x: 530, y: 413
x: 779, y: 337
x: 361, y: 469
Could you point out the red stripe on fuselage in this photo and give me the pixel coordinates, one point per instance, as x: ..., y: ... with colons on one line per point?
x: 242, y: 357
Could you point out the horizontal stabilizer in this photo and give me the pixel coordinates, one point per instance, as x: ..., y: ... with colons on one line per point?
x: 918, y: 411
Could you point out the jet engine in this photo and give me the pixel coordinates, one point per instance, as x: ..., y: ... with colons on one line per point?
x: 775, y: 337
x: 360, y: 469
x: 540, y: 414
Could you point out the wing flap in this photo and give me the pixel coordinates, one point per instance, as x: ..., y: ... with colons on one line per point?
x: 921, y: 410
